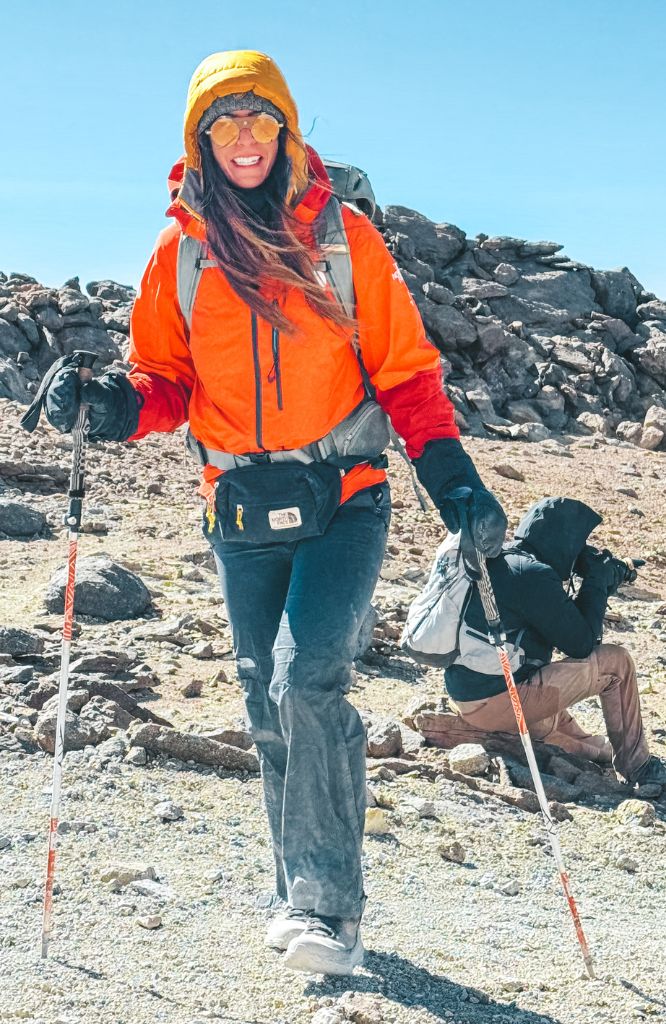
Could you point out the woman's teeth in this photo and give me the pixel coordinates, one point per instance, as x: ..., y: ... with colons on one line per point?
x: 246, y: 161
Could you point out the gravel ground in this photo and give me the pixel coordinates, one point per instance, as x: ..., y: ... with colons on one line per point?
x: 486, y: 940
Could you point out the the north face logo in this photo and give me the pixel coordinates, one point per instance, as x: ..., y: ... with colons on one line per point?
x: 285, y: 518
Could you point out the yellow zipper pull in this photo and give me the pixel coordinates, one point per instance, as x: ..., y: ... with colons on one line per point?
x: 210, y: 512
x: 239, y: 517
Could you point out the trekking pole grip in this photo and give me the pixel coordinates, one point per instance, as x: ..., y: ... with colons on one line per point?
x: 84, y: 361
x: 459, y: 498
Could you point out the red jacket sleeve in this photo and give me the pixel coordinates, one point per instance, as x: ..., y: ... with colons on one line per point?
x: 403, y: 366
x: 162, y: 368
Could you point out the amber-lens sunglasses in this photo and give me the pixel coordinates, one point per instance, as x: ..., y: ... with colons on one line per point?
x: 226, y: 130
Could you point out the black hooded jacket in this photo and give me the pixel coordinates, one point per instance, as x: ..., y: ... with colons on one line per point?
x: 528, y: 580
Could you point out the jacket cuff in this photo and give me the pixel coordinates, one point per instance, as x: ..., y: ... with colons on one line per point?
x: 444, y: 466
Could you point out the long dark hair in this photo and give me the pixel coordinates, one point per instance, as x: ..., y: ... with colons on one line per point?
x: 256, y: 247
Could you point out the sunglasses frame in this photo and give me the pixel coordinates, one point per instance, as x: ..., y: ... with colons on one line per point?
x: 244, y: 122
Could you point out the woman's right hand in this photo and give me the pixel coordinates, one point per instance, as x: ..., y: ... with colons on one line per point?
x: 113, y: 404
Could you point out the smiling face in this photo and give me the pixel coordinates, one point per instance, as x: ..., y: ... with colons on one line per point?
x: 246, y: 163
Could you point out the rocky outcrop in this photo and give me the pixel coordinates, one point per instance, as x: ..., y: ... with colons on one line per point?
x: 532, y: 341
x: 39, y: 324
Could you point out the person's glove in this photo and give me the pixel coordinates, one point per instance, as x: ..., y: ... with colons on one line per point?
x: 444, y: 467
x: 114, y: 405
x: 602, y: 565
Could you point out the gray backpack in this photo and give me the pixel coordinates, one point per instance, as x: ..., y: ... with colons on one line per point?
x: 436, y: 632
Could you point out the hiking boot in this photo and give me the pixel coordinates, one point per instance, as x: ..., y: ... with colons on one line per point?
x: 286, y: 926
x: 329, y: 945
x: 653, y: 772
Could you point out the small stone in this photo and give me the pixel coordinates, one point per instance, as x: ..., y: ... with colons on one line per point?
x: 425, y: 808
x: 469, y: 759
x: 149, y: 887
x: 511, y: 888
x: 330, y: 1015
x: 202, y: 649
x: 150, y: 922
x: 651, y: 438
x: 123, y: 874
x: 136, y: 756
x: 636, y: 812
x: 377, y: 822
x: 625, y: 862
x: 453, y: 852
x: 630, y: 492
x: 384, y: 738
x: 510, y: 472
x: 192, y: 689
x: 361, y: 1008
x: 167, y: 810
x: 513, y: 985
x: 5, y: 842
x: 559, y: 812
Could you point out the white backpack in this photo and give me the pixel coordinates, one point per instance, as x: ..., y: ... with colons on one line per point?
x: 436, y: 632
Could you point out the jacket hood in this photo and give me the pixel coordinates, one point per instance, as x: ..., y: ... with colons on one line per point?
x: 234, y: 71
x: 555, y: 530
x: 184, y: 185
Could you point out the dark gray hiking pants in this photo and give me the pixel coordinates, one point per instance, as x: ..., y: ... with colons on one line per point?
x: 295, y: 611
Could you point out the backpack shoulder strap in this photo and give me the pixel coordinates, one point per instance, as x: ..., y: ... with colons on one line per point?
x: 191, y: 262
x: 332, y: 240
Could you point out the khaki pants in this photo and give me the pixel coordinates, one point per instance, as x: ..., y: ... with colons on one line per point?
x: 608, y: 673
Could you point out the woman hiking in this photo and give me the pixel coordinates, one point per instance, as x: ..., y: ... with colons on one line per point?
x: 286, y: 393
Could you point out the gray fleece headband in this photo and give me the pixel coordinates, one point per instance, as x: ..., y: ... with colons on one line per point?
x: 237, y: 101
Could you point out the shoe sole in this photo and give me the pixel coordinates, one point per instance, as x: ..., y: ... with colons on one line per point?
x: 311, y: 962
x: 283, y: 942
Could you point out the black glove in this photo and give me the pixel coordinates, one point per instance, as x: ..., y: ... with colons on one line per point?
x: 602, y: 565
x: 114, y: 405
x: 444, y: 467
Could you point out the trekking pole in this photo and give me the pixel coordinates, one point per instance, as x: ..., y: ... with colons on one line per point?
x: 476, y: 561
x: 84, y: 362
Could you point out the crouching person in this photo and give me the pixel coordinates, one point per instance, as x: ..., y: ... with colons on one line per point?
x: 539, y: 616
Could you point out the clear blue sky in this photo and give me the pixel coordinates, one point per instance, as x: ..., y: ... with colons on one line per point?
x: 536, y: 118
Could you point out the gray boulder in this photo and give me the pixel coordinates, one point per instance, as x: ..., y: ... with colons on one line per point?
x: 570, y: 290
x: 92, y: 339
x: 651, y: 357
x: 78, y: 732
x: 447, y: 326
x: 17, y: 642
x: 19, y: 520
x: 653, y: 310
x: 615, y: 294
x: 104, y: 590
x: 11, y: 339
x: 192, y: 747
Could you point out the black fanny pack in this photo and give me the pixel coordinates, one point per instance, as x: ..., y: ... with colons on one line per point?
x: 277, y: 501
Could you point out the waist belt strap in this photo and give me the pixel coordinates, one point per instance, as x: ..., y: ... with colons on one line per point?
x: 315, y: 452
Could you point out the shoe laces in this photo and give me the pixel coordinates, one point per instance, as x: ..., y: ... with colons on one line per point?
x: 295, y: 914
x: 326, y: 926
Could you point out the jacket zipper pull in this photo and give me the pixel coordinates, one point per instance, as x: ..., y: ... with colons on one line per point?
x: 239, y: 517
x: 210, y: 513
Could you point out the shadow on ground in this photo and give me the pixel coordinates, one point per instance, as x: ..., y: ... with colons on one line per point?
x: 401, y: 981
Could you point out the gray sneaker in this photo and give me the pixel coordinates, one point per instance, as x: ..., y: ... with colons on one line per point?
x: 328, y: 945
x: 286, y: 926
